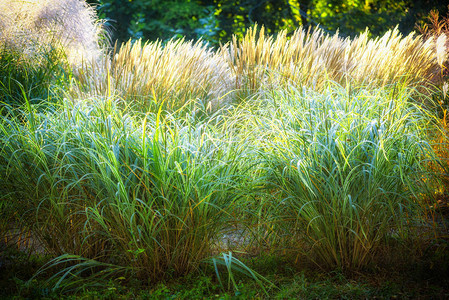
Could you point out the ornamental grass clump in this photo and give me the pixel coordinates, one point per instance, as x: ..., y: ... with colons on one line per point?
x: 346, y: 167
x: 146, y: 194
x: 174, y: 74
x: 436, y: 27
x: 310, y: 59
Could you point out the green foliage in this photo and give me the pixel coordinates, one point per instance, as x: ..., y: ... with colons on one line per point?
x: 217, y: 20
x: 154, y: 19
x: 352, y: 17
x: 235, y: 16
x: 22, y: 79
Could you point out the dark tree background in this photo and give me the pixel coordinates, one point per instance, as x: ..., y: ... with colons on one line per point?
x: 216, y: 20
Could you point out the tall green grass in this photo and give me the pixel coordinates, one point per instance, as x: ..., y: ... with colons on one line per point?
x: 36, y: 81
x: 327, y: 155
x: 137, y: 191
x: 346, y: 168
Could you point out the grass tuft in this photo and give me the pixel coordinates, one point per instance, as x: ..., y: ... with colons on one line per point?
x: 346, y: 168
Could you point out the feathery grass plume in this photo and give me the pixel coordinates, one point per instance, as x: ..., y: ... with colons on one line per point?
x: 148, y: 74
x: 442, y: 49
x: 392, y: 59
x: 181, y: 71
x: 41, y: 44
x: 311, y: 58
x: 346, y: 167
x: 30, y: 26
x: 258, y: 61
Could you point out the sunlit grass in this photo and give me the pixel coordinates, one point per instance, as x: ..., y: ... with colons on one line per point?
x: 28, y: 27
x: 147, y: 75
x: 309, y: 146
x: 310, y: 59
x: 347, y: 165
x: 144, y: 193
x: 181, y: 72
x: 41, y: 47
